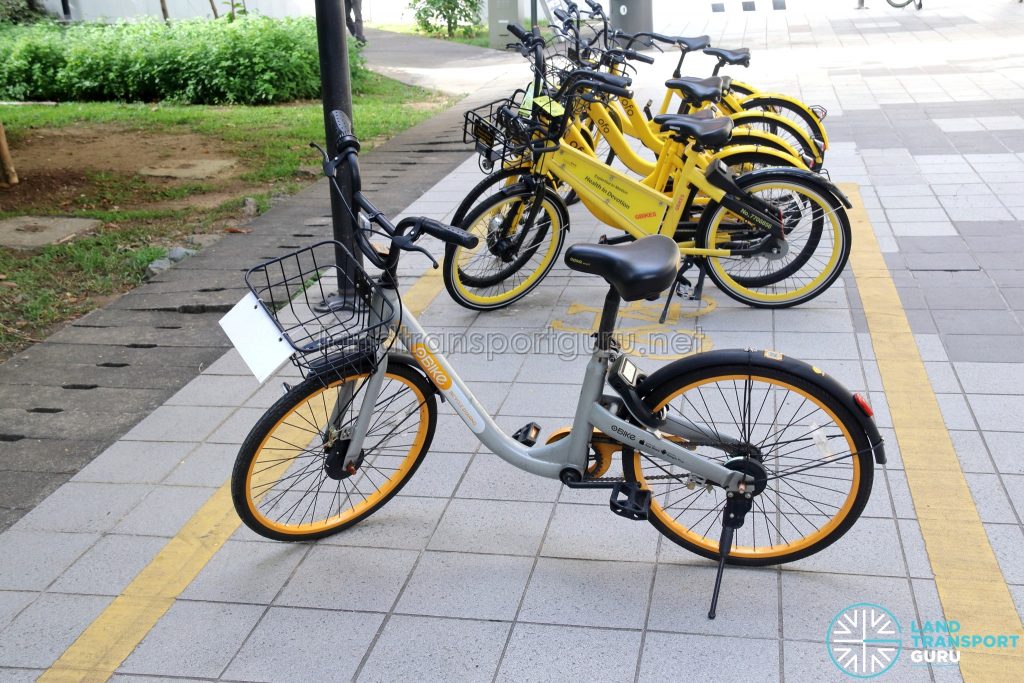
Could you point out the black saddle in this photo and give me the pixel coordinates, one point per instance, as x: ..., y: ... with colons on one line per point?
x: 695, y: 43
x: 711, y: 133
x: 686, y: 44
x: 637, y: 270
x: 740, y: 56
x: 697, y: 90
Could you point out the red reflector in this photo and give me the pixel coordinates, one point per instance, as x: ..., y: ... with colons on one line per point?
x: 863, y: 405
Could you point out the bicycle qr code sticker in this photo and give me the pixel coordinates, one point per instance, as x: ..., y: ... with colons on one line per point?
x: 256, y: 337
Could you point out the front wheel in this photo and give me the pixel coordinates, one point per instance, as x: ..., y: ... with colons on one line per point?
x: 815, y: 251
x: 288, y: 482
x: 767, y: 417
x: 514, y: 253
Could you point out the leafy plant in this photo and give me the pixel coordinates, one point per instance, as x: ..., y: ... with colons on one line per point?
x: 19, y: 11
x: 247, y: 60
x: 435, y: 16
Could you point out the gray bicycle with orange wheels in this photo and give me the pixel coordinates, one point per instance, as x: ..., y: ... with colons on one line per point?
x: 743, y: 456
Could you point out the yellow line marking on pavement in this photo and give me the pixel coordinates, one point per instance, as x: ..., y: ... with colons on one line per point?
x: 117, y: 631
x: 971, y: 586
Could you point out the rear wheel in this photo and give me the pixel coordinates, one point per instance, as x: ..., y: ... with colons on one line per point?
x: 764, y: 420
x: 514, y: 253
x: 816, y: 249
x: 288, y: 482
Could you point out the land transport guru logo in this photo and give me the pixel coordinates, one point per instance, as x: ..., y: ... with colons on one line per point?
x: 865, y: 640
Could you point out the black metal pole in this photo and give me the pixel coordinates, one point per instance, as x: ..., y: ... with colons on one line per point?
x: 533, y: 13
x: 336, y: 92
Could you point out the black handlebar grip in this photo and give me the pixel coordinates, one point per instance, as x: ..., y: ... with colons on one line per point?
x: 344, y: 137
x: 612, y: 79
x: 518, y: 31
x: 561, y: 14
x: 639, y: 56
x: 596, y: 6
x: 449, y: 233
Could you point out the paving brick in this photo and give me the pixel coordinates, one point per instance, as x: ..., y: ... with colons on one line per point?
x: 193, y: 639
x: 609, y: 537
x: 666, y: 654
x: 574, y: 592
x: 135, y: 462
x: 109, y: 566
x: 40, y: 633
x: 466, y: 586
x: 371, y: 580
x: 537, y: 653
x: 488, y: 526
x: 425, y: 648
x: 84, y: 507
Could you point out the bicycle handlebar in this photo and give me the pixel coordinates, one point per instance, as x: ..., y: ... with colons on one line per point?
x: 448, y: 233
x: 518, y: 31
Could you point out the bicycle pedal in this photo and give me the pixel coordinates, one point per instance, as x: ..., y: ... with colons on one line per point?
x: 527, y: 434
x: 631, y: 501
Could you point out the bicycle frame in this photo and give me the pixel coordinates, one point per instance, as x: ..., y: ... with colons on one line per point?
x: 552, y: 459
x: 630, y: 205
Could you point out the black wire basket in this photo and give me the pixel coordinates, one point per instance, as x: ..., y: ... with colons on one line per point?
x: 498, y: 131
x: 294, y: 288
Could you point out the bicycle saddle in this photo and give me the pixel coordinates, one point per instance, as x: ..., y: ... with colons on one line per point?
x: 687, y: 44
x: 712, y: 133
x: 637, y: 270
x: 740, y: 56
x: 695, y: 43
x: 697, y: 90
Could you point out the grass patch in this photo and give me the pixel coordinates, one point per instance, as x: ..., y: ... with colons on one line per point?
x: 41, y: 288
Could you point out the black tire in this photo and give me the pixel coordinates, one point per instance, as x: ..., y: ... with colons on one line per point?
x: 489, y: 277
x: 811, y: 495
x: 278, y: 445
x: 806, y: 119
x: 818, y: 237
x: 790, y: 131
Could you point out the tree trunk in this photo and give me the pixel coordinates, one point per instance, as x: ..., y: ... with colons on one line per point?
x: 213, y: 6
x: 163, y: 8
x: 7, y: 173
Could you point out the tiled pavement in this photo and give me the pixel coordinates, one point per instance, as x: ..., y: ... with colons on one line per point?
x: 480, y: 572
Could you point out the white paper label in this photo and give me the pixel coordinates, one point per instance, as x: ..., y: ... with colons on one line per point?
x: 252, y: 331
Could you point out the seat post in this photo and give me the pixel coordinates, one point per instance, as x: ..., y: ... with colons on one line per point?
x: 609, y: 316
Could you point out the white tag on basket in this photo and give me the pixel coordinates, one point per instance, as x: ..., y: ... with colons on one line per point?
x: 252, y: 331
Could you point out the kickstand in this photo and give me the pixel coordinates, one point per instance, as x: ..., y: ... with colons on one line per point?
x: 737, y: 505
x: 698, y: 291
x: 724, y: 543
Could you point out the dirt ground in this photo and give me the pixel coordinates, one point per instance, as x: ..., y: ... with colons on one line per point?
x: 97, y: 167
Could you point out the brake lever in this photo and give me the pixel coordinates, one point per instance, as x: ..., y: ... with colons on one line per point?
x: 330, y: 165
x: 407, y: 243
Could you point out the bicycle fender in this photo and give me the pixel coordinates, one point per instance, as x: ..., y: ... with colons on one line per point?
x: 782, y: 157
x: 819, y: 181
x: 759, y: 97
x: 755, y: 358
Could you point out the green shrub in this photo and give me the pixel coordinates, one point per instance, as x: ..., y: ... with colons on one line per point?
x: 251, y: 60
x: 435, y: 16
x: 19, y: 11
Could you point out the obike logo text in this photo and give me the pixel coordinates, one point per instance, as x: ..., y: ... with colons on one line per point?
x: 430, y: 366
x: 641, y: 216
x: 622, y: 432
